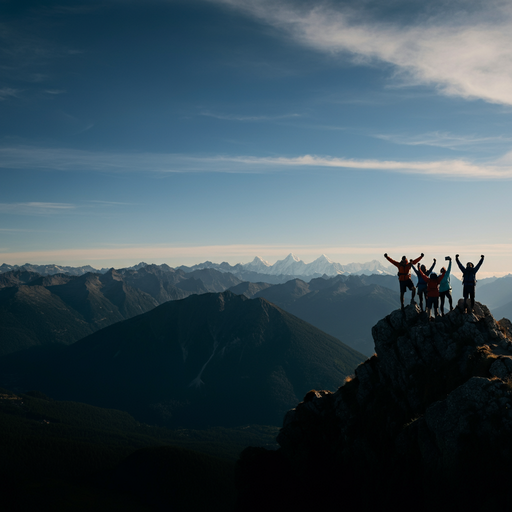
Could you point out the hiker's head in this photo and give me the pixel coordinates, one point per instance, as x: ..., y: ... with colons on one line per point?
x: 469, y: 265
x: 443, y: 270
x: 423, y: 268
x: 433, y: 275
x: 404, y: 260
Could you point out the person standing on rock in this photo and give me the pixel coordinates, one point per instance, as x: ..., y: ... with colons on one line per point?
x: 469, y: 280
x: 445, y: 288
x: 433, y: 282
x: 422, y: 284
x: 404, y: 275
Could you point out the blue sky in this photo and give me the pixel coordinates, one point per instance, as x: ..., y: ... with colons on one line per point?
x: 180, y: 131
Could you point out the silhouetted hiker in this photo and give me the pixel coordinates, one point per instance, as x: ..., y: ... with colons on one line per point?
x: 445, y: 288
x: 469, y: 280
x: 404, y: 275
x: 422, y: 285
x: 432, y: 291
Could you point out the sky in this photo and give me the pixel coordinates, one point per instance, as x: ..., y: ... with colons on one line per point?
x: 176, y: 132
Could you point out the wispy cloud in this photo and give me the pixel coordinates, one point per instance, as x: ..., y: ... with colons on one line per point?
x: 55, y: 91
x: 466, y: 52
x: 16, y: 230
x: 35, y: 208
x: 234, y: 117
x: 8, y: 92
x: 33, y: 158
x: 443, y: 140
x: 94, y: 202
x: 438, y: 168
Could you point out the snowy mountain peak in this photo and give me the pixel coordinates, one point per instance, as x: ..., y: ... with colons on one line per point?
x: 258, y: 260
x: 290, y: 258
x: 258, y: 265
x: 323, y: 259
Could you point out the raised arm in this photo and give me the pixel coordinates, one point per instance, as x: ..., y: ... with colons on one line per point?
x: 479, y: 263
x: 432, y: 267
x: 423, y: 275
x: 416, y: 270
x: 462, y: 269
x: 391, y: 260
x: 417, y: 259
x: 440, y: 276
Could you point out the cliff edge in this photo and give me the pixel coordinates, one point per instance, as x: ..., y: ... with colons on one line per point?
x: 425, y: 422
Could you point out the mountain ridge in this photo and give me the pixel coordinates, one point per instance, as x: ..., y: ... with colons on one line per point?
x: 176, y: 363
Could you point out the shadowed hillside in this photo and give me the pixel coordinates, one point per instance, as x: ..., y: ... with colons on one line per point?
x: 212, y: 359
x: 345, y: 307
x: 60, y: 309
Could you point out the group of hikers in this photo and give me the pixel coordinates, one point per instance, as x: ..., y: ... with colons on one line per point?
x: 433, y: 287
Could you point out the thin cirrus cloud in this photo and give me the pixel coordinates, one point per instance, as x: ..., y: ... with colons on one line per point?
x: 443, y: 140
x: 466, y: 52
x: 233, y: 117
x: 34, y: 158
x: 8, y: 93
x: 35, y: 208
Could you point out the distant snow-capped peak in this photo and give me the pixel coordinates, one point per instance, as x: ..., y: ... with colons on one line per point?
x: 293, y: 265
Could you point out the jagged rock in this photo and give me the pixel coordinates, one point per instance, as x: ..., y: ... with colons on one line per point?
x: 430, y: 407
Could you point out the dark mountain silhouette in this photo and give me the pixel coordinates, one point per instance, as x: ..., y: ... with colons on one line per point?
x: 32, y: 316
x: 60, y: 308
x: 249, y: 289
x: 344, y: 306
x: 51, y: 269
x: 212, y: 359
x: 63, y: 309
x: 165, y: 283
x: 17, y: 278
x: 239, y: 271
x: 496, y: 293
x: 425, y: 424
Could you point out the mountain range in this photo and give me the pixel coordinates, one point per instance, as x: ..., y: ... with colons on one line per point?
x: 61, y: 308
x: 211, y: 359
x: 284, y: 269
x: 292, y: 266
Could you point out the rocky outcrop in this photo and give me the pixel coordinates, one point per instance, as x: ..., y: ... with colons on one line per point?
x: 430, y: 412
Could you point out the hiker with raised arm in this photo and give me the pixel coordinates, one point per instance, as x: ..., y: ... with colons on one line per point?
x: 422, y: 284
x: 469, y: 280
x: 433, y: 282
x: 445, y: 288
x: 404, y: 275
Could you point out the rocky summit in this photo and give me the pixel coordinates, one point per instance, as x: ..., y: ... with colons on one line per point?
x: 424, y: 424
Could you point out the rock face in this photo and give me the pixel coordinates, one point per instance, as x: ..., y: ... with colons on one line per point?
x: 427, y: 418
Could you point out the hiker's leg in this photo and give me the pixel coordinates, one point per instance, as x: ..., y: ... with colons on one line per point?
x: 442, y: 295
x: 449, y: 294
x: 465, y: 293
x: 429, y: 307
